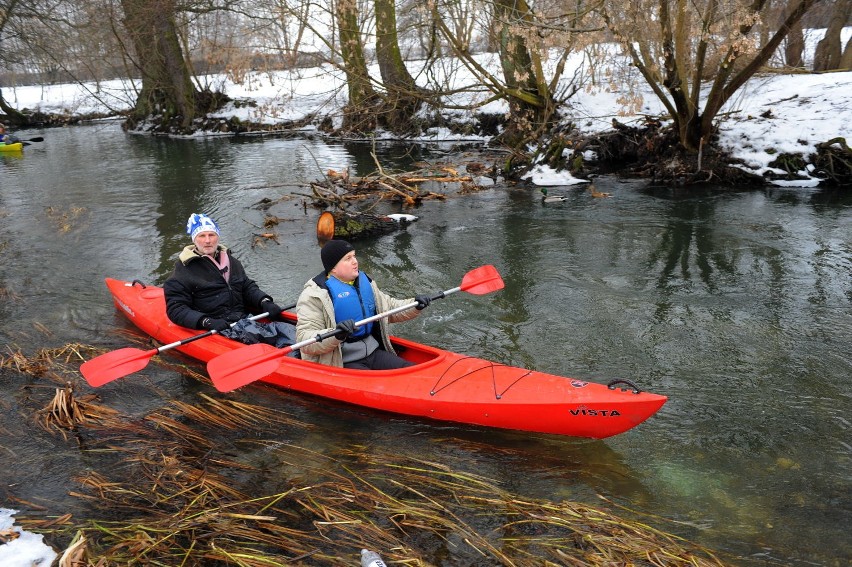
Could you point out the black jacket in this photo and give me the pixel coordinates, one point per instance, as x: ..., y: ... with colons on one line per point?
x: 196, y: 290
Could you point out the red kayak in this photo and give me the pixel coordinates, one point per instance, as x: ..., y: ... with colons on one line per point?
x: 441, y: 385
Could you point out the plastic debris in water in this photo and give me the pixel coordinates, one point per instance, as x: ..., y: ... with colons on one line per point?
x: 371, y: 559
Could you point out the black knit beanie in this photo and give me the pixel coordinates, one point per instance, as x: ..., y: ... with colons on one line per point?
x: 332, y: 253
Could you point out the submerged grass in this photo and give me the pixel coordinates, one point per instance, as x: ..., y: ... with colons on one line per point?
x: 179, y: 487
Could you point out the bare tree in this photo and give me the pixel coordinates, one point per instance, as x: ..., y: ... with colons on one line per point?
x: 167, y: 87
x: 402, y: 96
x: 524, y: 40
x: 359, y: 114
x: 530, y: 102
x: 676, y: 44
x: 7, y: 12
x: 288, y: 26
x: 829, y: 51
x: 24, y: 26
x: 795, y: 47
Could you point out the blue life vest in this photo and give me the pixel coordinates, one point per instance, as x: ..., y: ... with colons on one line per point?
x: 353, y: 302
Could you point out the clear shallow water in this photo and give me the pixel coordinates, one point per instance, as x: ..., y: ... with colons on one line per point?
x: 737, y: 305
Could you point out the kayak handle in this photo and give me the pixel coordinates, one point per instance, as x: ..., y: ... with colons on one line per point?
x: 612, y: 384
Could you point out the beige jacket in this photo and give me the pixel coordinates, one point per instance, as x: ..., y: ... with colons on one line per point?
x: 316, y: 316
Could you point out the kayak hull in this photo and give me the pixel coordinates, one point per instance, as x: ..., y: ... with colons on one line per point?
x: 442, y: 385
x: 16, y: 147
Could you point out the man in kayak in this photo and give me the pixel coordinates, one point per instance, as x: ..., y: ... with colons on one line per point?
x: 335, y: 299
x: 209, y: 289
x: 7, y: 138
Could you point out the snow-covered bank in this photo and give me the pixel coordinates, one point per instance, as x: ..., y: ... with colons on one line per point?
x: 772, y: 115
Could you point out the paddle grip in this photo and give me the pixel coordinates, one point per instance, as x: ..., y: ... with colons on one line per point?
x: 321, y: 337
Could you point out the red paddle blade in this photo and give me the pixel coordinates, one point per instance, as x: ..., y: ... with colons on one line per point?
x: 244, y: 365
x: 482, y: 280
x: 116, y: 364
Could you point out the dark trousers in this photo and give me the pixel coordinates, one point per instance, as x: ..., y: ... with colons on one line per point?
x: 379, y: 359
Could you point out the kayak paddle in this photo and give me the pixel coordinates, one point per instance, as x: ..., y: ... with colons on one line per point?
x: 245, y: 365
x: 118, y: 363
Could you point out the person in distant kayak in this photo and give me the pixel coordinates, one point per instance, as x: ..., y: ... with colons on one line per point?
x: 7, y: 138
x: 335, y: 299
x: 209, y: 289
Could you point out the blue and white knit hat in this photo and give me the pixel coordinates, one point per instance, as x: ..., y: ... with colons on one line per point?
x: 200, y: 223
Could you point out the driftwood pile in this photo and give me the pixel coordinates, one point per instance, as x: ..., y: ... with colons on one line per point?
x: 340, y: 190
x: 353, y: 200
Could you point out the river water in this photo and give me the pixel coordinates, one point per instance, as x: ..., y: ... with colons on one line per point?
x: 735, y: 304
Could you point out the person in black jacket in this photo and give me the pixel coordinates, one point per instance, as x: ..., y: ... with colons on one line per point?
x: 209, y: 289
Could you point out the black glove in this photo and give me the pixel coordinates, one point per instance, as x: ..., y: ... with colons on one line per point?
x: 344, y: 329
x: 217, y: 325
x: 273, y: 309
x: 423, y: 301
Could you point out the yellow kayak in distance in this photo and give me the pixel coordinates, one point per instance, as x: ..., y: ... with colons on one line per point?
x: 16, y: 147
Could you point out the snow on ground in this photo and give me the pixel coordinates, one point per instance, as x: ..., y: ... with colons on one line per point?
x: 771, y: 115
x: 27, y: 549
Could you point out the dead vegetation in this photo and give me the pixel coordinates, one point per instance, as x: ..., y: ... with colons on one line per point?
x: 267, y: 231
x: 65, y: 412
x: 52, y: 363
x: 339, y: 190
x: 66, y: 219
x: 8, y: 535
x: 834, y: 159
x: 652, y: 152
x: 184, y: 486
x: 7, y: 294
x: 353, y: 200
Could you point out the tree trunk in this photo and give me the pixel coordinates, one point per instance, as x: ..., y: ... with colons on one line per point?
x: 531, y: 104
x: 14, y: 117
x: 829, y: 50
x: 402, y: 99
x: 359, y: 113
x: 676, y: 75
x: 167, y: 87
x: 846, y: 59
x: 795, y: 48
x: 731, y: 77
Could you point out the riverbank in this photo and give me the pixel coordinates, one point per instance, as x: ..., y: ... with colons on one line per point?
x: 776, y: 129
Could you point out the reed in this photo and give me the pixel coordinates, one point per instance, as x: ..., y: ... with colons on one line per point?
x: 211, y: 482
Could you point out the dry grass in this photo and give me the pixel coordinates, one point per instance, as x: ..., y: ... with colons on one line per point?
x: 66, y: 220
x: 57, y: 364
x: 65, y: 412
x: 211, y: 483
x: 7, y: 294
